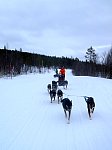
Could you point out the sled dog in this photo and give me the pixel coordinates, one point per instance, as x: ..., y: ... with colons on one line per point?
x: 52, y: 94
x: 59, y: 95
x: 67, y: 106
x: 90, y: 105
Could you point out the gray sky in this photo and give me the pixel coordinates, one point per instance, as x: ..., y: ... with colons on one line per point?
x: 56, y: 27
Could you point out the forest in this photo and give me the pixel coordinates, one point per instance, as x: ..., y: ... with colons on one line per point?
x: 15, y: 62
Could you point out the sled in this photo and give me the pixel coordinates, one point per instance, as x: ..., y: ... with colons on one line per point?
x: 62, y: 82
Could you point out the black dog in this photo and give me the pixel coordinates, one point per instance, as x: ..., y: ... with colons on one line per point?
x: 90, y: 105
x: 54, y: 85
x: 49, y: 87
x: 67, y: 106
x: 52, y: 94
x: 59, y: 95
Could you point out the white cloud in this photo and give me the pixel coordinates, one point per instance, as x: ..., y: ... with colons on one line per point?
x: 55, y: 27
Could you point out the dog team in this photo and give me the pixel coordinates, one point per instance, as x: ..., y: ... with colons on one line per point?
x: 67, y: 103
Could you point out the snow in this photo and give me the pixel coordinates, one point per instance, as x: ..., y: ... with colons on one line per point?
x: 28, y: 121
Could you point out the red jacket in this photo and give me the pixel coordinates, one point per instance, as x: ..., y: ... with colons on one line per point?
x: 62, y: 71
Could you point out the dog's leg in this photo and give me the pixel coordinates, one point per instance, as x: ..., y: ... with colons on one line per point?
x: 69, y: 114
x: 51, y: 99
x: 66, y: 86
x: 54, y: 98
x: 58, y: 99
x: 65, y: 113
x: 88, y: 106
x: 92, y: 109
x: 61, y: 98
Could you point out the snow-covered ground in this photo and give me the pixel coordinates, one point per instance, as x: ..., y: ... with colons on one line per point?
x: 28, y: 121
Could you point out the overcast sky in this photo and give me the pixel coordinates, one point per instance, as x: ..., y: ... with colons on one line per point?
x: 56, y: 27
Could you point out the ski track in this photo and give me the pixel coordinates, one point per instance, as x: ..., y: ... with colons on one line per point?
x: 25, y: 115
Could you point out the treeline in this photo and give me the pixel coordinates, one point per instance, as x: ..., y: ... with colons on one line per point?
x: 14, y: 62
x: 92, y: 66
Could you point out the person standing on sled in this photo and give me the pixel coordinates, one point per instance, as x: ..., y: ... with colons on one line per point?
x: 62, y: 74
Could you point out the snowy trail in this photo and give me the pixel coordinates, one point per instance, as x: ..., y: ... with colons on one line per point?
x: 28, y: 121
